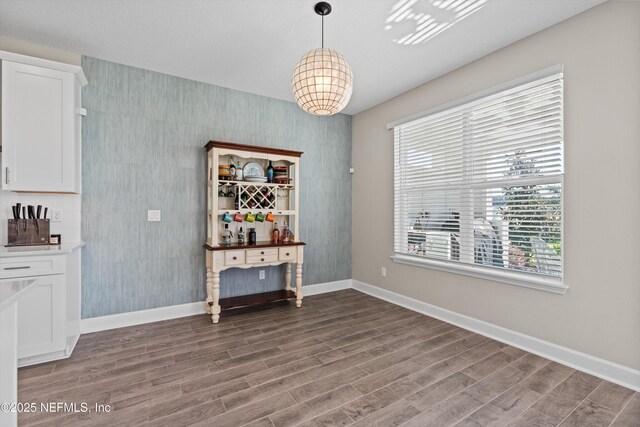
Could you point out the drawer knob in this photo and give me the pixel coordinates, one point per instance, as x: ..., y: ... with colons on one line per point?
x: 287, y: 254
x: 235, y: 258
x: 261, y: 252
x: 261, y: 259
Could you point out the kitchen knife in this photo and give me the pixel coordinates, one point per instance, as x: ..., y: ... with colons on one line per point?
x: 16, y: 215
x: 30, y: 212
x: 18, y: 208
x: 45, y: 213
x: 24, y: 212
x: 33, y: 216
x: 38, y: 211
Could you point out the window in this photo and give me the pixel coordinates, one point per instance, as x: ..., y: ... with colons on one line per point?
x: 478, y: 185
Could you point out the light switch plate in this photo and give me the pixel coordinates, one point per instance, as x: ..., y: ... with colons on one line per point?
x: 153, y: 215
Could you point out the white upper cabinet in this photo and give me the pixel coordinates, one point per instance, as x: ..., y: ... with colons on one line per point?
x: 41, y: 125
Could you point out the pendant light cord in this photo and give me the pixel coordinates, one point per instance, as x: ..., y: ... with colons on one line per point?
x: 323, y: 31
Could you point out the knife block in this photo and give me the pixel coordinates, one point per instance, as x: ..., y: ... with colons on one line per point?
x: 28, y: 232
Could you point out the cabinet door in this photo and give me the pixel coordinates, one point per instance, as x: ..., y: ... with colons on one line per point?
x: 38, y: 129
x: 41, y: 318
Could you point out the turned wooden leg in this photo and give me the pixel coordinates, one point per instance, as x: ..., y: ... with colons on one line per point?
x: 299, y: 284
x: 215, y: 309
x: 209, y: 300
x: 287, y: 278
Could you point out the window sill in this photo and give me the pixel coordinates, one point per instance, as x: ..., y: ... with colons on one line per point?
x: 546, y: 284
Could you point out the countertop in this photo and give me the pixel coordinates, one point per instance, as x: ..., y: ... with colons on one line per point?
x: 12, y: 290
x: 16, y: 251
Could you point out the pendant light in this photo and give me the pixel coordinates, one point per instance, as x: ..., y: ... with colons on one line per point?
x: 322, y: 80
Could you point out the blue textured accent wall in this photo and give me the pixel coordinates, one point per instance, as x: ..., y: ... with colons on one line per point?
x: 142, y: 148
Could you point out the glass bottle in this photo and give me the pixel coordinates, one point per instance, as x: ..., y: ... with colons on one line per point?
x: 285, y: 234
x: 275, y: 234
x: 252, y: 236
x: 226, y: 235
x: 270, y: 172
x: 241, y: 237
x: 239, y: 174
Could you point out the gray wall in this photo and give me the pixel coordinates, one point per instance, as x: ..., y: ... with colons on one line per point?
x: 143, y: 141
x: 599, y: 313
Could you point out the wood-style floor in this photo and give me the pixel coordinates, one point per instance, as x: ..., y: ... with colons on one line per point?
x: 345, y: 358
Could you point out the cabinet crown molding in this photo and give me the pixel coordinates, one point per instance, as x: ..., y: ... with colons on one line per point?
x: 45, y: 63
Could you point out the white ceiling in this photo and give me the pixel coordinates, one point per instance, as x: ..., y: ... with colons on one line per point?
x: 253, y: 45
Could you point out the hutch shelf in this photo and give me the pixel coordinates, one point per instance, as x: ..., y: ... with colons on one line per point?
x: 245, y: 201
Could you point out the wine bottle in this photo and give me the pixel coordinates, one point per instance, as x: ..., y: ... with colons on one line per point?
x: 275, y: 234
x: 270, y: 172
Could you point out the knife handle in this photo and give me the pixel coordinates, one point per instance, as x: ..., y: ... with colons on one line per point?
x: 38, y: 211
x: 24, y: 212
x: 18, y: 208
x: 45, y: 213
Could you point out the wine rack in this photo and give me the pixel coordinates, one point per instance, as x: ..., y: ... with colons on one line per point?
x: 250, y: 196
x: 256, y: 197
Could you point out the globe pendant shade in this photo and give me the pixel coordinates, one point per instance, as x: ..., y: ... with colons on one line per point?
x: 322, y: 82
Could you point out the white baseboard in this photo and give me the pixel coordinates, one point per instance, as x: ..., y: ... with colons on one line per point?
x: 601, y: 368
x: 323, y: 288
x: 43, y: 358
x: 50, y: 357
x: 121, y: 320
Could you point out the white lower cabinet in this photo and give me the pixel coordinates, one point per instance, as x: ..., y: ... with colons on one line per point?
x: 49, y: 315
x: 42, y: 317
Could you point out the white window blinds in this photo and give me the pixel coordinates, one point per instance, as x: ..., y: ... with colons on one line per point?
x: 481, y: 183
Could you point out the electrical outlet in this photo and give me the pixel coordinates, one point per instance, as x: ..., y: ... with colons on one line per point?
x: 56, y: 215
x: 262, y: 274
x: 384, y: 272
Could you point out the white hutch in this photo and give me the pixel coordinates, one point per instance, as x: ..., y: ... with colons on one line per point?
x: 244, y: 203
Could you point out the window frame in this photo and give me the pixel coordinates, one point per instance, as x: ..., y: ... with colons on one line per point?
x: 530, y: 280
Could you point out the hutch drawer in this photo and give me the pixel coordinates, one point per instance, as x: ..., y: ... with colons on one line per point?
x: 286, y: 254
x: 258, y: 259
x: 233, y: 257
x: 261, y: 253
